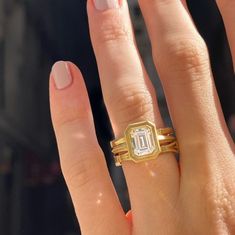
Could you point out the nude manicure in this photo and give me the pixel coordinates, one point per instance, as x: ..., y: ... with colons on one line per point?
x: 106, y: 4
x: 61, y: 75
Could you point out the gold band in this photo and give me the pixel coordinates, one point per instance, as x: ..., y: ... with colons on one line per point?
x: 146, y: 136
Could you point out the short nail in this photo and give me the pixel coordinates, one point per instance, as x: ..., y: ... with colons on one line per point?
x: 106, y: 4
x: 61, y: 75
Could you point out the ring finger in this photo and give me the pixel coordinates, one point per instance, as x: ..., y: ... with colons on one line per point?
x: 130, y: 98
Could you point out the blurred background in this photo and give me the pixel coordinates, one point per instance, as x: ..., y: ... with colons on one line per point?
x: 33, y: 35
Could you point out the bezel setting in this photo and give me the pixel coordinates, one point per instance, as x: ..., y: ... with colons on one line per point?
x: 142, y: 142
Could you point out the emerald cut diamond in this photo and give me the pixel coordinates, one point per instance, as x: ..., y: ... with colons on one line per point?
x: 142, y: 141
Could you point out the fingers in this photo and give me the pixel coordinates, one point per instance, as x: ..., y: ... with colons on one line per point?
x: 82, y: 161
x: 130, y: 98
x: 182, y: 62
x: 227, y: 8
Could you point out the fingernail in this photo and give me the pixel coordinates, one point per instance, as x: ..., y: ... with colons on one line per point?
x: 61, y: 75
x: 106, y: 4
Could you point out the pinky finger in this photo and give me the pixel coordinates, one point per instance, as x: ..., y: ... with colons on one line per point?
x: 82, y: 161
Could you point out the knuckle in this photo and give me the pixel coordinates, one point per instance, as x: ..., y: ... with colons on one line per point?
x: 70, y: 119
x: 187, y: 56
x: 82, y: 172
x: 132, y: 104
x: 113, y: 30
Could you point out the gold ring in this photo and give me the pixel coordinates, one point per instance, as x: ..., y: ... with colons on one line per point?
x: 142, y: 142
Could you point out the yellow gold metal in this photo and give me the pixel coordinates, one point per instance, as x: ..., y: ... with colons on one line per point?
x: 142, y: 141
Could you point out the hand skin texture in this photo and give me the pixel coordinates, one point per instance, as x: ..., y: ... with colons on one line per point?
x: 193, y: 196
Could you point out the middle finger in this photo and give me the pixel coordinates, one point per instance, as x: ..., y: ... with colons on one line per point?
x: 130, y: 98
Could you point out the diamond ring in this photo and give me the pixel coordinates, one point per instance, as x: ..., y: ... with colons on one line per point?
x: 142, y: 141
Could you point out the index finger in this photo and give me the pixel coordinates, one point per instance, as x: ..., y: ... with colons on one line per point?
x: 82, y: 161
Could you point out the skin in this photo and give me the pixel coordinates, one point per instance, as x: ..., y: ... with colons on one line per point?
x: 197, y: 199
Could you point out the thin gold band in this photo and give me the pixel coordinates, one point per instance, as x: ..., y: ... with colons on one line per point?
x: 170, y: 148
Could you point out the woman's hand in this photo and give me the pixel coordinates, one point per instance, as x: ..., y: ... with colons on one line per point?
x: 194, y: 196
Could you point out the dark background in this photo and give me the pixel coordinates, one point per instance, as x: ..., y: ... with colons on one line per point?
x: 33, y: 35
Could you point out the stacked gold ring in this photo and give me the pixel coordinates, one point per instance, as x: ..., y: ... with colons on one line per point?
x: 142, y: 141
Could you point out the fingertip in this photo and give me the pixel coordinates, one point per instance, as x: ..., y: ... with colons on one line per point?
x: 103, y: 5
x: 68, y: 95
x: 61, y: 75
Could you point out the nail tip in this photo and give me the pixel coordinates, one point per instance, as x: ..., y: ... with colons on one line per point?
x: 103, y: 5
x: 58, y: 63
x: 62, y: 75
